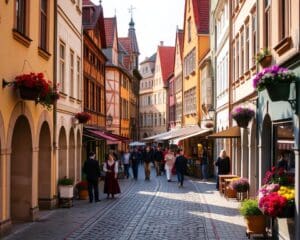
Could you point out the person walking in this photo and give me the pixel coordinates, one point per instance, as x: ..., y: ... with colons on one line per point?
x: 148, y: 158
x: 125, y: 160
x: 169, y: 163
x: 181, y: 166
x: 282, y: 162
x: 111, y: 185
x: 92, y: 170
x: 204, y: 164
x: 158, y: 159
x: 134, y: 161
x: 223, y: 164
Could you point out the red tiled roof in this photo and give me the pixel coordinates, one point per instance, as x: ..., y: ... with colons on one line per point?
x: 201, y: 13
x: 126, y: 43
x: 166, y: 55
x: 110, y: 24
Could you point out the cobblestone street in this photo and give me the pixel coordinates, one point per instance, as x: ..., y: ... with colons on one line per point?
x: 154, y: 209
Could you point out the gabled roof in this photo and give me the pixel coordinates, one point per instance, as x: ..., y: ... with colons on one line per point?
x: 110, y: 26
x: 201, y: 14
x: 126, y: 43
x: 166, y: 55
x: 180, y: 37
x: 92, y: 17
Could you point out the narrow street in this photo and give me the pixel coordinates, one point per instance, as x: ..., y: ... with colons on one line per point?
x: 145, y: 210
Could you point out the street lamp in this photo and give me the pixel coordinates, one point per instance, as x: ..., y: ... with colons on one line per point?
x: 109, y: 120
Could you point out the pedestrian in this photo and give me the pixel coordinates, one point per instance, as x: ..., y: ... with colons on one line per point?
x: 282, y: 162
x: 125, y: 160
x: 134, y: 162
x: 92, y: 170
x: 223, y: 164
x: 111, y: 185
x: 181, y: 166
x: 148, y: 158
x: 169, y: 163
x: 158, y: 159
x: 204, y: 164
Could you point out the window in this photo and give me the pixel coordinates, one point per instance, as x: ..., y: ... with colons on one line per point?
x: 78, y: 79
x: 242, y: 53
x: 189, y: 30
x: 284, y: 18
x: 62, y: 49
x: 233, y: 61
x: 237, y: 57
x: 21, y: 16
x: 267, y: 22
x: 253, y: 38
x: 247, y: 48
x: 71, y: 73
x: 86, y: 93
x: 44, y: 24
x: 98, y: 99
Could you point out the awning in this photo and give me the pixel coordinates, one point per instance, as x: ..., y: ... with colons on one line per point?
x: 180, y: 132
x: 98, y: 135
x: 118, y: 137
x: 233, y: 132
x: 156, y: 136
x: 200, y: 132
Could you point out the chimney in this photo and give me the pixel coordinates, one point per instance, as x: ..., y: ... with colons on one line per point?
x: 161, y: 43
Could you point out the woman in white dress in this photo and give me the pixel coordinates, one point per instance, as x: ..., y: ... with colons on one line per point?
x: 169, y: 163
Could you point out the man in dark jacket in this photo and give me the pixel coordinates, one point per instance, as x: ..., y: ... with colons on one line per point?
x: 158, y: 160
x: 181, y: 166
x: 134, y: 161
x: 148, y: 158
x: 92, y: 170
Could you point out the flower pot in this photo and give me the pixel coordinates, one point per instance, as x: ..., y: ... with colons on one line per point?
x: 242, y: 122
x: 266, y: 61
x: 279, y: 92
x: 230, y: 193
x: 83, y: 195
x: 256, y: 224
x: 27, y: 93
x: 66, y: 191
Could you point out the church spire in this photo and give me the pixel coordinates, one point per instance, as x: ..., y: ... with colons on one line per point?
x: 131, y: 24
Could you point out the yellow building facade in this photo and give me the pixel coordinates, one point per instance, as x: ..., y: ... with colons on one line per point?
x: 27, y: 166
x: 196, y: 45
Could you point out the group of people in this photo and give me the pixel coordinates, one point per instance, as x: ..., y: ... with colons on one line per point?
x: 92, y: 170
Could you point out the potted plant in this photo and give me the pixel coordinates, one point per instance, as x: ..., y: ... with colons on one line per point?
x: 241, y: 186
x: 264, y: 57
x: 82, y: 188
x: 276, y: 80
x: 255, y: 220
x: 209, y: 124
x: 65, y: 186
x: 242, y: 116
x: 83, y: 117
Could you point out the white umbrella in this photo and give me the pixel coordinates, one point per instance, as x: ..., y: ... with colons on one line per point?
x: 136, y: 144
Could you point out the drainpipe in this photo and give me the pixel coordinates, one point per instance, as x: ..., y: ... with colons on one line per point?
x: 55, y: 82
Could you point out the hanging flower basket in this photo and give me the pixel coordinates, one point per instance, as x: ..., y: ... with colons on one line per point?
x: 266, y: 61
x: 31, y: 94
x: 83, y: 117
x: 242, y: 116
x: 276, y: 80
x: 279, y: 92
x: 209, y: 125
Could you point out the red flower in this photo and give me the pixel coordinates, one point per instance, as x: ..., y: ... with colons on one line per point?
x: 83, y: 117
x: 272, y: 204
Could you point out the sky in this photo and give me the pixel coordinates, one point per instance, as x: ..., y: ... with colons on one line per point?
x: 155, y: 21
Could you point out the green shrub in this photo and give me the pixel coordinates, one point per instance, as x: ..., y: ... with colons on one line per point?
x: 250, y: 208
x: 65, y: 181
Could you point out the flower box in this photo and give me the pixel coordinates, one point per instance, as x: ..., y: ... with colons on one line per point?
x: 83, y: 117
x: 31, y: 94
x: 66, y: 191
x: 266, y: 61
x: 276, y: 80
x: 242, y: 116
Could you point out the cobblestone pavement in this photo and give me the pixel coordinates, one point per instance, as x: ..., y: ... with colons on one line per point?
x: 154, y: 209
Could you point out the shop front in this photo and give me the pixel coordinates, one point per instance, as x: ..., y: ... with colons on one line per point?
x: 278, y: 137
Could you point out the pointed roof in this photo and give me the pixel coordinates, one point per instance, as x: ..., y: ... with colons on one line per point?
x: 92, y: 17
x: 132, y: 37
x: 110, y: 25
x: 180, y: 37
x: 166, y: 54
x: 201, y: 14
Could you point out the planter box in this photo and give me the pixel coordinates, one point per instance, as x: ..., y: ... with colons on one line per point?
x: 66, y: 191
x: 279, y: 92
x: 266, y: 61
x: 256, y: 224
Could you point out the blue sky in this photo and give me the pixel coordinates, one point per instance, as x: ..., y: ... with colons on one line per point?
x: 155, y: 21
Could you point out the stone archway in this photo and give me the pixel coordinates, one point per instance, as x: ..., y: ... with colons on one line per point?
x: 78, y: 154
x: 44, y: 166
x: 62, y: 153
x: 72, y: 155
x: 265, y: 148
x: 21, y: 170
